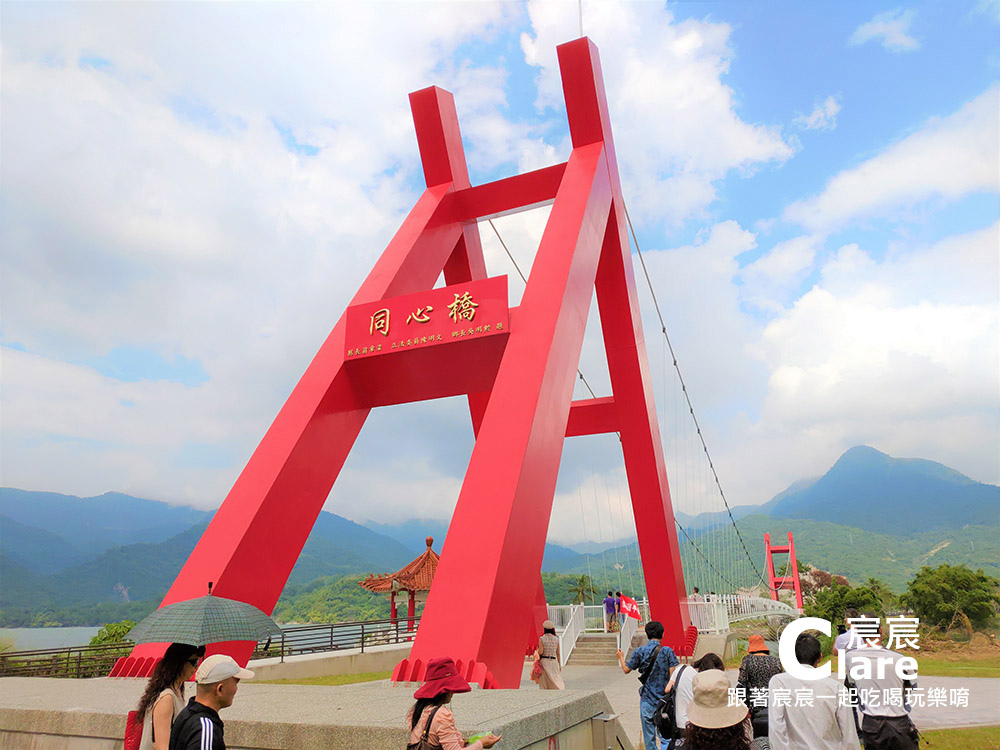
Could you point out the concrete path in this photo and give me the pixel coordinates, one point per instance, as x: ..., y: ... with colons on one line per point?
x: 623, y: 694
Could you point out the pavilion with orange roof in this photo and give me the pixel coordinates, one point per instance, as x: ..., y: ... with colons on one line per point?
x: 414, y: 578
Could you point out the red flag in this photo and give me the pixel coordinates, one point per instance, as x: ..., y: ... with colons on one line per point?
x: 630, y: 607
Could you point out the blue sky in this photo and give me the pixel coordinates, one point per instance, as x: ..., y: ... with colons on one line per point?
x: 189, y: 198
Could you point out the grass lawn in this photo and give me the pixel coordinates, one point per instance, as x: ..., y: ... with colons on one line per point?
x: 333, y: 679
x: 981, y: 738
x: 934, y: 665
x: 988, y: 666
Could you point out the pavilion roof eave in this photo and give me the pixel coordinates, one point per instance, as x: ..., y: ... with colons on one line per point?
x: 415, y: 576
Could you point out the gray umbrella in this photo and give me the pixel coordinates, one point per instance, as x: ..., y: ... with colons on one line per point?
x: 207, y: 619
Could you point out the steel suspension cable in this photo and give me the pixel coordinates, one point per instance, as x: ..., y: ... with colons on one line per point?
x: 687, y: 398
x: 611, y: 516
x: 663, y: 328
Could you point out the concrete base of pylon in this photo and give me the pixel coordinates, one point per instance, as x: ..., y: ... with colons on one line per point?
x: 723, y: 644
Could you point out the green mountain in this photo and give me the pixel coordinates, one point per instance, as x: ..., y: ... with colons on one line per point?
x: 20, y: 586
x: 37, y: 550
x: 858, y: 554
x: 853, y: 553
x: 867, y: 489
x: 143, y: 571
x: 95, y: 524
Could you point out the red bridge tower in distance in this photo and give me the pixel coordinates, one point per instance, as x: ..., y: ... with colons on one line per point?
x: 791, y: 578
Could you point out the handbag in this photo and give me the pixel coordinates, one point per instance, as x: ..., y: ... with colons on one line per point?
x: 665, y: 717
x: 758, y: 720
x: 424, y: 742
x: 133, y: 730
x: 536, y: 670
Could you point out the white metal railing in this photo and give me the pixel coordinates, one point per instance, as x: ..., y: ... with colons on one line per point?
x: 596, y: 622
x: 712, y: 614
x: 569, y: 622
x: 709, y: 616
x: 594, y: 618
x: 716, y: 612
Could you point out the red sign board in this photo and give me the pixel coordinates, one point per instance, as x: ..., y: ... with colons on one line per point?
x: 475, y: 309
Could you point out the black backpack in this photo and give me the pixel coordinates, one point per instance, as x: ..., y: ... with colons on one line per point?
x: 665, y: 717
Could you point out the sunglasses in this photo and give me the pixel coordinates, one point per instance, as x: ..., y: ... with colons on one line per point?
x: 193, y: 662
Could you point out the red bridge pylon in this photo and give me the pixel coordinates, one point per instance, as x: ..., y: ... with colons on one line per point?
x: 791, y: 578
x: 401, y: 340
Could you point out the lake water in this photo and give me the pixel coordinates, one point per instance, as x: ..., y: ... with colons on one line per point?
x: 27, y: 639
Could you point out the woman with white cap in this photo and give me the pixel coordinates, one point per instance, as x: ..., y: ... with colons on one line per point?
x: 430, y: 721
x: 549, y: 657
x: 714, y: 721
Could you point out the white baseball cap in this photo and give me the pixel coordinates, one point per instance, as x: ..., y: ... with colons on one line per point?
x: 219, y: 667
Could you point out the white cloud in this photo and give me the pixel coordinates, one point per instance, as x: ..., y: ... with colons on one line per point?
x: 769, y: 281
x: 888, y: 353
x: 946, y: 159
x: 823, y: 116
x: 990, y: 8
x: 677, y: 128
x: 128, y: 221
x: 891, y: 29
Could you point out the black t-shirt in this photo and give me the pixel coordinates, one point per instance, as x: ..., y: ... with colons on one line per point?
x: 197, y: 727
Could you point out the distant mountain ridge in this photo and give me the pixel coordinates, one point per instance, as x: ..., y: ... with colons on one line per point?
x: 40, y: 567
x: 870, y: 490
x: 870, y: 514
x: 95, y: 524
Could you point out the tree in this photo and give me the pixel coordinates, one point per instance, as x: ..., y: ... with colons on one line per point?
x: 830, y: 603
x: 883, y: 592
x: 582, y: 589
x: 937, y: 595
x: 113, y: 632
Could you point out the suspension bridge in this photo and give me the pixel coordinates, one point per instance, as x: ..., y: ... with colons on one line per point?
x: 403, y: 338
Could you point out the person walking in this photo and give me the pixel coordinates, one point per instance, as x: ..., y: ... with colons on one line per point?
x: 610, y: 616
x: 714, y: 722
x: 683, y: 682
x: 656, y: 664
x: 885, y: 721
x: 198, y: 726
x: 430, y: 721
x: 756, y: 671
x: 163, y: 698
x: 823, y: 722
x: 549, y: 656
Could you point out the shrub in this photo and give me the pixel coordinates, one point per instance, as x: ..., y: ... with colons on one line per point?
x: 113, y: 632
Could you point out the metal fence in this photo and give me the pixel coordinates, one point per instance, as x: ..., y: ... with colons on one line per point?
x: 97, y: 661
x: 311, y: 639
x: 716, y: 612
x: 76, y: 661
